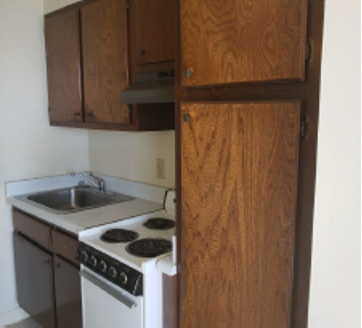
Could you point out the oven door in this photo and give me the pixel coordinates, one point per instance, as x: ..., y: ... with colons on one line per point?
x: 108, y: 306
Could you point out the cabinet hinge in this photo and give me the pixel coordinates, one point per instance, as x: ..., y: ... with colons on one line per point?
x: 303, y: 129
x: 308, y: 51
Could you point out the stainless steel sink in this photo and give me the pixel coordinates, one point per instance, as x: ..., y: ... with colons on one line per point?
x: 74, y: 199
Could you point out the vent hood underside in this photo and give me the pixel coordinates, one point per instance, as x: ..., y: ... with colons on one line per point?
x: 151, y: 88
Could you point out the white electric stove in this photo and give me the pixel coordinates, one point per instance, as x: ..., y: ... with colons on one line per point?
x: 121, y: 267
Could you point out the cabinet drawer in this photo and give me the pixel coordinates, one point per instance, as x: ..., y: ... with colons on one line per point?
x: 32, y: 228
x: 65, y: 245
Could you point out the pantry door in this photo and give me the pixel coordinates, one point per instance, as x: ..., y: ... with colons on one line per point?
x: 238, y: 201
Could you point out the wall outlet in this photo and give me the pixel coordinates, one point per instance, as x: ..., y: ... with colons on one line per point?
x: 160, y: 168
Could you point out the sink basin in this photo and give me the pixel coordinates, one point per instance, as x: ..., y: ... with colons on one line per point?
x: 74, y: 199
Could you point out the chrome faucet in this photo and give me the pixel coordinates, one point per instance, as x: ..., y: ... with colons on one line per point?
x: 92, y: 180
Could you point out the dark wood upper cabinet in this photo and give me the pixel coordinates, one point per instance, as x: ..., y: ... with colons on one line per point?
x: 34, y: 281
x: 239, y: 170
x: 155, y: 30
x: 67, y: 294
x: 105, y: 67
x: 64, y: 69
x: 91, y: 60
x: 237, y: 41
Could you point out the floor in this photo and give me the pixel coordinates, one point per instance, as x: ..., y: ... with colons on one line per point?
x: 28, y: 323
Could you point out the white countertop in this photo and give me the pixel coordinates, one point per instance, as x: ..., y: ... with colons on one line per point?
x: 82, y: 220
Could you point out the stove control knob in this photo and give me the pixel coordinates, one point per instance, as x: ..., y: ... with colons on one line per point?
x: 123, y: 278
x: 93, y: 261
x: 84, y: 256
x: 112, y: 272
x: 102, y: 266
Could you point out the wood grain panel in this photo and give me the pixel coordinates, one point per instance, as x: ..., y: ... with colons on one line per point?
x: 169, y: 301
x: 104, y: 44
x: 155, y: 30
x: 235, y: 41
x: 239, y: 173
x: 65, y: 245
x: 64, y: 71
x: 67, y: 294
x: 32, y: 228
x: 34, y: 281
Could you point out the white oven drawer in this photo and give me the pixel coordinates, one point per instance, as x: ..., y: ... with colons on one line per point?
x: 107, y: 306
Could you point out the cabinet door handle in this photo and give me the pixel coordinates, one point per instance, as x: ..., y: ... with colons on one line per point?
x: 187, y: 73
x: 90, y: 114
x: 141, y: 52
x: 186, y: 118
x: 57, y: 266
x: 76, y: 114
x: 46, y: 262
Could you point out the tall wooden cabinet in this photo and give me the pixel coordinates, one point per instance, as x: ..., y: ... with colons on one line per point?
x: 246, y: 136
x: 243, y: 41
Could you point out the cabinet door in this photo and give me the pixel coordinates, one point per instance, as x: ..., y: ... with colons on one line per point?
x: 239, y: 174
x: 67, y: 294
x: 155, y: 30
x: 104, y: 43
x: 235, y: 41
x: 34, y: 281
x: 62, y: 36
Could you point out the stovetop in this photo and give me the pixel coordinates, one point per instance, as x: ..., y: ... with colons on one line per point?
x: 137, y: 235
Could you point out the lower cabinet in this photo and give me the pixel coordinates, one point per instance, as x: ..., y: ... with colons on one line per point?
x: 67, y: 294
x: 47, y: 273
x: 34, y: 279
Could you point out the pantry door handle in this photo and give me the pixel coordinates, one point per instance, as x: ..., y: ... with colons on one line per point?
x: 130, y: 304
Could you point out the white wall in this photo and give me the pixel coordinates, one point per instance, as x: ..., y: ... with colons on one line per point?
x: 28, y: 146
x: 133, y: 155
x: 51, y: 5
x: 336, y: 265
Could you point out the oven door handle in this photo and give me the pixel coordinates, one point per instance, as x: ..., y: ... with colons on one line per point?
x: 130, y: 304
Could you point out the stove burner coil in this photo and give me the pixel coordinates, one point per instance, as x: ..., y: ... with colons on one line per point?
x: 149, y: 247
x: 119, y: 236
x: 159, y: 224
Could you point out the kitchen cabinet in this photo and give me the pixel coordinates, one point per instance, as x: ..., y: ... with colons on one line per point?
x: 155, y: 25
x: 152, y: 36
x: 47, y: 272
x: 238, y: 41
x: 104, y: 47
x: 88, y: 67
x: 64, y: 70
x: 246, y: 142
x: 34, y: 280
x: 67, y: 294
x: 239, y: 170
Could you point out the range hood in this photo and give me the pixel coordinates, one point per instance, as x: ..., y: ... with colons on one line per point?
x: 151, y: 88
